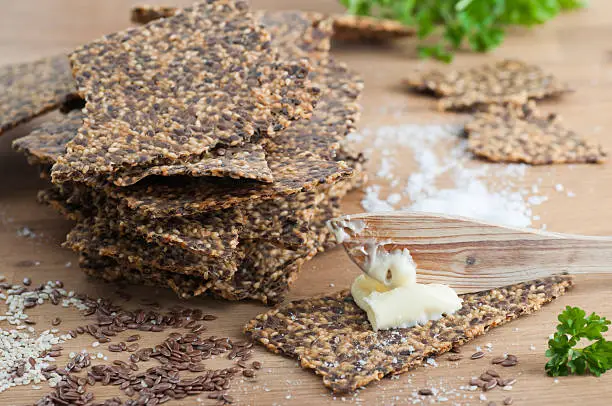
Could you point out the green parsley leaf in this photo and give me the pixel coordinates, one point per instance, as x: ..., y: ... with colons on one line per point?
x: 479, y: 24
x: 574, y: 325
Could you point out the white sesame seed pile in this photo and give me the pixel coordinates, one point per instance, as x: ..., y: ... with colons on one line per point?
x: 22, y: 354
x: 23, y: 351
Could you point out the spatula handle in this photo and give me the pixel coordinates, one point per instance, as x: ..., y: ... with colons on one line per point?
x: 474, y: 254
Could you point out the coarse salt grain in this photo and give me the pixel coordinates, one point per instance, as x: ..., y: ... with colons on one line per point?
x: 482, y: 191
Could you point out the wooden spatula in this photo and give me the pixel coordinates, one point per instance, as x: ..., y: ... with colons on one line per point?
x: 469, y: 255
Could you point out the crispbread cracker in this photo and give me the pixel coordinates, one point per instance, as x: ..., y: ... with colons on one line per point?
x: 215, y: 235
x: 302, y: 158
x: 346, y: 27
x: 33, y: 88
x: 507, y: 81
x: 157, y: 101
x: 523, y: 134
x: 265, y: 274
x: 134, y: 252
x: 145, y: 13
x: 46, y: 143
x: 244, y: 162
x: 363, y: 28
x: 333, y: 336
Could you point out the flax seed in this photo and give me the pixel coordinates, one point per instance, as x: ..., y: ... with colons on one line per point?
x: 477, y: 355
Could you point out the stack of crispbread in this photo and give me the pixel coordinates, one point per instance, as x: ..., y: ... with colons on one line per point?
x: 210, y: 151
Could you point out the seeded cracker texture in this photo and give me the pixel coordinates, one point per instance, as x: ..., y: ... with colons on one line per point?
x: 172, y: 90
x: 215, y: 235
x: 138, y: 254
x: 523, y: 134
x: 145, y: 13
x: 265, y: 274
x: 46, y: 143
x: 278, y: 228
x: 363, y: 28
x: 346, y: 27
x: 300, y: 159
x: 333, y: 336
x: 507, y: 81
x: 30, y: 89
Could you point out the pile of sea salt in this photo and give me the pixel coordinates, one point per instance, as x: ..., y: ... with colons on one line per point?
x: 428, y: 168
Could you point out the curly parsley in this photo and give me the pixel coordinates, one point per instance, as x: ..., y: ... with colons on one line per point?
x: 479, y: 23
x: 564, y: 359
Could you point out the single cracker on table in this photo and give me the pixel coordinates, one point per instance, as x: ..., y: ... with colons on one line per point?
x: 506, y: 81
x: 333, y: 336
x: 143, y: 110
x: 30, y: 89
x: 513, y: 133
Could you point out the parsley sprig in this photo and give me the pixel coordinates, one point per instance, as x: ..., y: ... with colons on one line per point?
x: 564, y: 359
x: 479, y: 23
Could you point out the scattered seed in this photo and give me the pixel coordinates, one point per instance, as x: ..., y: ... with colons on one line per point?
x: 508, y: 401
x: 249, y: 373
x: 256, y: 364
x: 486, y: 377
x: 498, y: 360
x: 477, y: 382
x: 509, y: 382
x: 509, y: 363
x: 27, y: 281
x: 492, y: 373
x: 490, y: 385
x: 478, y: 355
x: 455, y: 357
x: 425, y: 392
x: 56, y: 321
x: 133, y: 338
x: 197, y: 328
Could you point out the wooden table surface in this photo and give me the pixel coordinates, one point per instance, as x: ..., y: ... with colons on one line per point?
x: 577, y: 47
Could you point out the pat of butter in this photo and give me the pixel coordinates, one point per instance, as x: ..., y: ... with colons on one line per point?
x: 391, y: 297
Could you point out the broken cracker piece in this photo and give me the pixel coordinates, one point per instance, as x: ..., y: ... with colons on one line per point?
x: 507, y: 81
x: 145, y: 13
x: 364, y: 28
x: 46, y: 143
x: 33, y: 88
x: 523, y: 134
x: 232, y: 87
x: 333, y: 336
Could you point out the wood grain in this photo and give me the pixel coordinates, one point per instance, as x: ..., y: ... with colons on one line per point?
x: 576, y: 47
x: 471, y: 256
